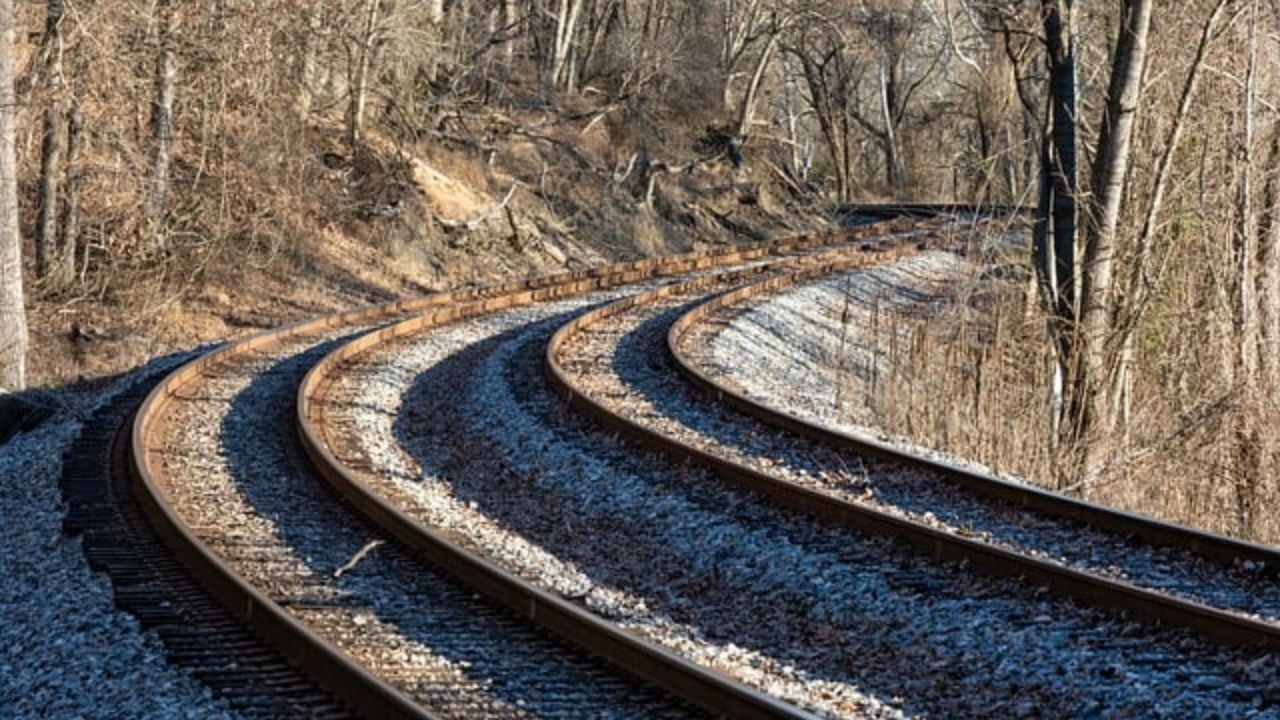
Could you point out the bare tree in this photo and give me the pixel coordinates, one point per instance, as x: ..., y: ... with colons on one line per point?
x: 1265, y: 485
x: 70, y: 249
x: 55, y: 251
x: 13, y: 324
x: 1056, y: 216
x: 1255, y: 454
x: 909, y: 54
x: 46, y: 238
x: 750, y: 26
x: 561, y: 73
x: 162, y: 119
x: 1075, y: 263
x: 997, y: 164
x: 831, y: 73
x: 366, y: 44
x: 1094, y: 415
x: 307, y: 47
x: 1268, y: 269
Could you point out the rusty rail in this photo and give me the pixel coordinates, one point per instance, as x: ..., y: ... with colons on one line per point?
x: 327, y: 666
x: 699, y: 686
x: 1213, y: 623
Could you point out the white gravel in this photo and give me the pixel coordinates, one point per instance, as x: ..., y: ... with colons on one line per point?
x: 795, y: 338
x: 431, y: 496
x: 784, y: 603
x: 65, y: 651
x: 804, y: 350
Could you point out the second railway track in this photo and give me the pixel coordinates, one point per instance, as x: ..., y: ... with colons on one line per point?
x: 1219, y: 572
x: 1233, y: 598
x: 226, y: 484
x: 447, y: 423
x: 837, y: 622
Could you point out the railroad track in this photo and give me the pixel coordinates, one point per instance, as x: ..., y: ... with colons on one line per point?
x: 149, y: 582
x: 661, y: 547
x: 535, y: 578
x: 1225, y: 589
x: 332, y: 439
x: 286, y: 587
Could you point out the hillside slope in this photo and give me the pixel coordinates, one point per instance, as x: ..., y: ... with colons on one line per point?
x: 392, y: 224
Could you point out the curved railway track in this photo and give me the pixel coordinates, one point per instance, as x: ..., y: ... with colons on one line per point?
x: 400, y: 608
x: 198, y: 633
x: 543, y: 476
x: 329, y: 444
x: 1226, y: 576
x: 284, y: 594
x: 1167, y: 574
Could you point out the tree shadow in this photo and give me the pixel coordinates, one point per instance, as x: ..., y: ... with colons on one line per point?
x: 335, y: 567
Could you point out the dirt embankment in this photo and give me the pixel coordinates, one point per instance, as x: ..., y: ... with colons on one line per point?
x: 536, y: 195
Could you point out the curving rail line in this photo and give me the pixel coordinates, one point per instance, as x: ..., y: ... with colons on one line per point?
x: 1215, y: 623
x: 709, y: 690
x: 356, y: 686
x: 1210, y: 545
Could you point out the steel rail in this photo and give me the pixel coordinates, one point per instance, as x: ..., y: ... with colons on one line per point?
x: 707, y: 689
x: 1213, y: 623
x: 327, y: 666
x: 1212, y: 546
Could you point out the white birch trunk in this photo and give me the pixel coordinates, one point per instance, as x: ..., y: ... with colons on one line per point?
x: 162, y: 120
x: 13, y: 322
x: 1110, y: 171
x: 567, y: 15
x: 360, y: 83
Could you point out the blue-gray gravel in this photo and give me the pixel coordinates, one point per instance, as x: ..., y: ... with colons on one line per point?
x: 65, y: 650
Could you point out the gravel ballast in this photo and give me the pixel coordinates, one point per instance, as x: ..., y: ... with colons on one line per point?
x: 846, y: 626
x: 65, y: 650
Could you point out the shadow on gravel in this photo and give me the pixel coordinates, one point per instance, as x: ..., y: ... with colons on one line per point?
x: 337, y: 569
x: 24, y: 411
x: 596, y: 505
x: 657, y: 381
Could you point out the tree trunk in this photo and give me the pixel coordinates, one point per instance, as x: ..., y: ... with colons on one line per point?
x: 1054, y: 245
x: 567, y: 15
x: 1267, y: 484
x: 747, y: 109
x: 894, y: 170
x: 13, y: 321
x: 360, y: 81
x: 305, y: 62
x: 1246, y: 230
x: 832, y: 117
x: 48, y: 252
x: 511, y: 16
x: 1062, y: 165
x: 601, y: 18
x: 740, y: 24
x: 1093, y: 384
x: 46, y: 240
x: 70, y: 243
x: 1254, y: 452
x: 162, y: 120
x: 1269, y: 276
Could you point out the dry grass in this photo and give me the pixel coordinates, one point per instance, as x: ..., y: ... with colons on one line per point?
x: 965, y: 371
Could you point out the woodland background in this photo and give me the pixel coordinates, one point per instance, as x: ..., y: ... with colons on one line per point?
x: 187, y: 171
